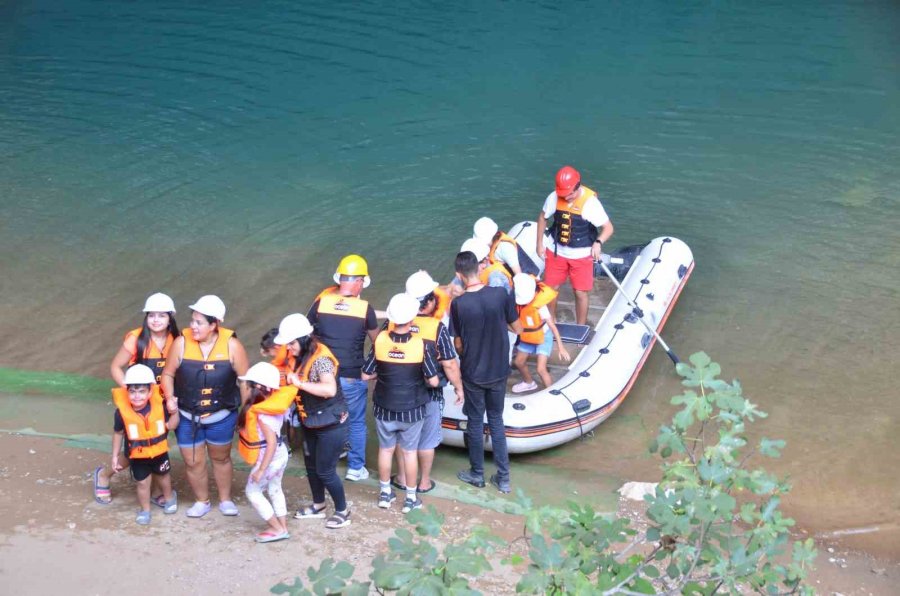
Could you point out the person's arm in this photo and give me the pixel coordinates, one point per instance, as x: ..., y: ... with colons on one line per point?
x: 240, y: 365
x: 509, y: 254
x: 119, y: 363
x: 271, y: 445
x: 451, y: 371
x: 563, y: 353
x: 368, y: 370
x: 430, y: 366
x: 173, y: 361
x: 541, y: 228
x: 512, y: 316
x: 116, y: 450
x: 174, y: 417
x: 325, y: 387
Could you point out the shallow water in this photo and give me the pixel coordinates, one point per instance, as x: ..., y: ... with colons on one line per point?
x: 242, y: 149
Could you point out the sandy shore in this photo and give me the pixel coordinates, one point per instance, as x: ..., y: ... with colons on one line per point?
x: 55, y: 537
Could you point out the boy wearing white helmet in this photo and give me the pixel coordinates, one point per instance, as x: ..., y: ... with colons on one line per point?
x: 142, y: 421
x: 538, y: 331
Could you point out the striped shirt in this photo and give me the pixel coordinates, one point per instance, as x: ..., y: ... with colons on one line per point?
x: 430, y: 368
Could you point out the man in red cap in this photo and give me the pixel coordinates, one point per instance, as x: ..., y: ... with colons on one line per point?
x: 575, y: 238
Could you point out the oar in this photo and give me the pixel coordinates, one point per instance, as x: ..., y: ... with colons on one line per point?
x: 639, y: 313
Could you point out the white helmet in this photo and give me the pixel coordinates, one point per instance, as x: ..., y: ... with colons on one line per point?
x: 292, y: 327
x: 159, y: 302
x: 402, y: 309
x: 211, y: 306
x: 485, y: 229
x: 420, y: 284
x: 263, y: 373
x: 525, y: 288
x: 476, y: 246
x: 139, y: 375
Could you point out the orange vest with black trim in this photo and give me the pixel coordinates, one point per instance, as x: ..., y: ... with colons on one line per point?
x: 316, y: 411
x: 569, y: 227
x: 485, y: 275
x: 328, y: 290
x: 250, y: 440
x: 340, y: 324
x: 147, y: 435
x: 401, y: 383
x: 152, y: 356
x: 443, y: 304
x: 207, y: 385
x: 284, y: 361
x: 532, y: 325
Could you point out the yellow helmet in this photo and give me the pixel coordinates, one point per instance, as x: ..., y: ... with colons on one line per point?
x: 353, y: 265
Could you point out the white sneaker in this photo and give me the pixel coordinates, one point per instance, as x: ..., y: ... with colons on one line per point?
x: 523, y: 387
x: 357, y: 475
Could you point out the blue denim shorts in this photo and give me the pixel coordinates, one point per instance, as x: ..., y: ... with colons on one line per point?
x: 543, y: 349
x: 217, y: 433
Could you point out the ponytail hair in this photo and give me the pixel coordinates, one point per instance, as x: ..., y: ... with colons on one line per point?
x: 143, y: 339
x: 258, y: 393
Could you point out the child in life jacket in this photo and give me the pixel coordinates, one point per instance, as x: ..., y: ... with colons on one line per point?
x: 143, y: 420
x: 532, y: 298
x: 261, y: 445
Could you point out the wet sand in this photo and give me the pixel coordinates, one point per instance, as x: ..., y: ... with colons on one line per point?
x: 49, y: 515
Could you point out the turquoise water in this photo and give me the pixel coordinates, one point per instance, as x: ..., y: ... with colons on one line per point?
x: 243, y: 148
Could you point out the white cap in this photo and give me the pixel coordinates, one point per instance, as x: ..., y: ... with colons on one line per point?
x: 476, y: 246
x: 159, y: 302
x: 420, y: 284
x: 485, y: 229
x: 139, y: 375
x: 525, y: 287
x: 292, y: 327
x: 211, y: 306
x: 402, y: 309
x: 263, y: 373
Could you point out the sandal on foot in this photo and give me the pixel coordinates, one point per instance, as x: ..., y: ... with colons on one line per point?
x: 426, y: 490
x: 338, y: 520
x: 143, y: 518
x: 159, y: 500
x: 269, y: 536
x: 396, y: 484
x: 102, y: 494
x: 310, y: 512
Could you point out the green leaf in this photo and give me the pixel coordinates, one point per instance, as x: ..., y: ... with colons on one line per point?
x: 294, y: 589
x: 651, y: 571
x: 771, y: 448
x: 653, y: 534
x: 642, y: 586
x: 700, y: 359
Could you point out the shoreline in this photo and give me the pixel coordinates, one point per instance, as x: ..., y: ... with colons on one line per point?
x: 50, y: 514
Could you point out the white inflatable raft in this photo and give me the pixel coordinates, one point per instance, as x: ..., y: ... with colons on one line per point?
x: 600, y: 376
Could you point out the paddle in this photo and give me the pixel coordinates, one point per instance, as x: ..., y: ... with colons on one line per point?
x: 639, y: 313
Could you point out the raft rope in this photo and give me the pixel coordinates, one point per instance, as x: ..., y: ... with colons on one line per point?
x: 605, y: 349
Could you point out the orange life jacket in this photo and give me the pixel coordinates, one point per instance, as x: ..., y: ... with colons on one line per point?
x: 326, y: 291
x: 316, y: 411
x: 284, y: 361
x: 147, y: 435
x: 569, y: 227
x: 504, y: 237
x: 533, y: 326
x: 443, y: 303
x: 485, y: 275
x: 153, y: 358
x: 250, y: 440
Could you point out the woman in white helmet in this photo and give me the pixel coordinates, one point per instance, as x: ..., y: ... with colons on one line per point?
x: 201, y: 375
x: 150, y: 343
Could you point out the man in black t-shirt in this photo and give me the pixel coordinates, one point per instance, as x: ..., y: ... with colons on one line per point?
x: 479, y: 320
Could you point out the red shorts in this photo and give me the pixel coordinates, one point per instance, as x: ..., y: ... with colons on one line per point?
x: 580, y: 271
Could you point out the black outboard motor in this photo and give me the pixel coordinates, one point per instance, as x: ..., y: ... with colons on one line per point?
x: 620, y: 261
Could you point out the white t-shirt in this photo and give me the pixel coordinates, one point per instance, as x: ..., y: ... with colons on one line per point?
x: 593, y: 211
x: 273, y: 421
x: 507, y: 253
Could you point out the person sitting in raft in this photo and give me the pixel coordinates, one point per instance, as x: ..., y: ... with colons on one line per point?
x: 504, y: 248
x: 261, y: 445
x: 323, y: 414
x: 201, y: 374
x: 149, y: 345
x: 142, y: 421
x: 539, y: 330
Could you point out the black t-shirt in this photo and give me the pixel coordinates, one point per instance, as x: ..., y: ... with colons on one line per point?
x: 480, y: 320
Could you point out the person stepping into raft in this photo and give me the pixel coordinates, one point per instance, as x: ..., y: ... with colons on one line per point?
x: 504, y: 248
x: 143, y: 420
x: 149, y: 345
x: 323, y: 415
x: 261, y: 445
x: 405, y: 366
x: 538, y: 331
x: 201, y: 373
x: 575, y: 238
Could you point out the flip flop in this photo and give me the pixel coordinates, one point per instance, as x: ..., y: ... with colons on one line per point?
x: 264, y: 537
x: 101, y: 491
x: 426, y: 490
x: 396, y: 484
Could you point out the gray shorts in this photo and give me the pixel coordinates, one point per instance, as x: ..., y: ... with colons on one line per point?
x: 431, y: 426
x: 404, y: 433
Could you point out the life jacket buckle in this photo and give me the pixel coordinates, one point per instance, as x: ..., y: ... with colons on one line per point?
x: 206, y: 391
x: 205, y: 402
x: 209, y: 366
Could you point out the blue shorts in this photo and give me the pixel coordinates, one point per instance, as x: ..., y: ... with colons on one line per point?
x: 543, y: 349
x: 217, y: 433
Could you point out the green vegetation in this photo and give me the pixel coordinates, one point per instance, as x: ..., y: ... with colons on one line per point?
x: 714, y: 525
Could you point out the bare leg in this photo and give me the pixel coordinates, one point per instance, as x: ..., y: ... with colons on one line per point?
x: 385, y: 455
x: 552, y: 305
x: 401, y: 469
x: 411, y: 463
x: 143, y: 493
x: 223, y: 469
x: 581, y: 306
x: 426, y: 460
x: 195, y: 467
x: 542, y: 371
x: 164, y: 483
x: 520, y: 361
